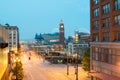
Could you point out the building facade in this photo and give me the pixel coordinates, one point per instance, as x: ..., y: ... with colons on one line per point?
x: 72, y: 48
x: 61, y: 34
x: 4, y: 74
x: 105, y: 39
x: 13, y: 38
x: 79, y: 43
x: 47, y: 39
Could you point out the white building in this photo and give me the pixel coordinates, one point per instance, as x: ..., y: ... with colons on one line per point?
x: 77, y: 47
x: 13, y: 32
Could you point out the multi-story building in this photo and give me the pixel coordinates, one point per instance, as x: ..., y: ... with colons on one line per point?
x: 72, y: 48
x: 105, y: 37
x: 79, y: 44
x: 13, y: 38
x: 83, y: 37
x: 4, y: 73
x: 47, y: 39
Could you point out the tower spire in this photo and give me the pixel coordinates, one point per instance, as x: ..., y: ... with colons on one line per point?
x: 61, y: 21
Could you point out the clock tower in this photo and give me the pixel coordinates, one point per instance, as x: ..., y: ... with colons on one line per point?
x: 61, y: 33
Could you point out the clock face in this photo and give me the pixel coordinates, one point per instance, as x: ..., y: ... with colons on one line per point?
x: 62, y: 26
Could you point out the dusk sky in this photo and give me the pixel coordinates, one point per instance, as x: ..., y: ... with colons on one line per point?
x: 43, y: 16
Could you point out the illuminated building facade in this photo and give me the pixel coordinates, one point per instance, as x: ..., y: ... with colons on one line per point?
x: 3, y: 53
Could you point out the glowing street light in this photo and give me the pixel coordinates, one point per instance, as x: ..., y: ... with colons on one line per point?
x: 16, y: 60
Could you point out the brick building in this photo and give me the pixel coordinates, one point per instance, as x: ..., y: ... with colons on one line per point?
x: 105, y: 39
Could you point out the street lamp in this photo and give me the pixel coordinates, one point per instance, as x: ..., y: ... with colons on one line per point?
x: 67, y: 63
x: 76, y: 65
x: 16, y: 60
x: 76, y: 61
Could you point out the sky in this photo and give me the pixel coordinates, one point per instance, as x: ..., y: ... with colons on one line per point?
x: 44, y: 16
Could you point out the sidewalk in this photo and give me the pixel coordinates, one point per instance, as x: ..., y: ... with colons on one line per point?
x: 82, y: 75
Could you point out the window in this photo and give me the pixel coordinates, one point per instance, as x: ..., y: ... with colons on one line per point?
x: 117, y: 36
x: 96, y: 53
x: 96, y: 37
x: 110, y: 56
x: 96, y: 56
x: 96, y: 24
x: 106, y: 8
x: 14, y: 28
x: 117, y: 4
x: 118, y: 57
x: 96, y: 2
x: 117, y: 20
x: 96, y: 12
x: 106, y: 54
x: 113, y: 56
x: 106, y: 36
x: 9, y: 28
x: 106, y: 22
x: 14, y: 43
x: 102, y: 57
x: 10, y: 45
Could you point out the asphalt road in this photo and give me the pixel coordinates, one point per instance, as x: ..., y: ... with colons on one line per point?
x: 38, y: 69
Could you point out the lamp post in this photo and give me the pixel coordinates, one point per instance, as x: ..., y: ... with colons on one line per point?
x: 76, y: 61
x: 76, y: 68
x: 67, y: 63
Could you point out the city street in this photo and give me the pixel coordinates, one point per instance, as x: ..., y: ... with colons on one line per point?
x: 38, y: 69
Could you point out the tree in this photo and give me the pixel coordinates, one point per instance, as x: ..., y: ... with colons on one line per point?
x: 18, y: 71
x: 86, y: 60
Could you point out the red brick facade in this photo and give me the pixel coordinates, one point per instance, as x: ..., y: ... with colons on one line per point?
x: 105, y: 37
x: 112, y: 27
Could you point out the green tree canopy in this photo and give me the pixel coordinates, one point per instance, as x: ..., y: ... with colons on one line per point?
x: 86, y: 60
x: 18, y: 71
